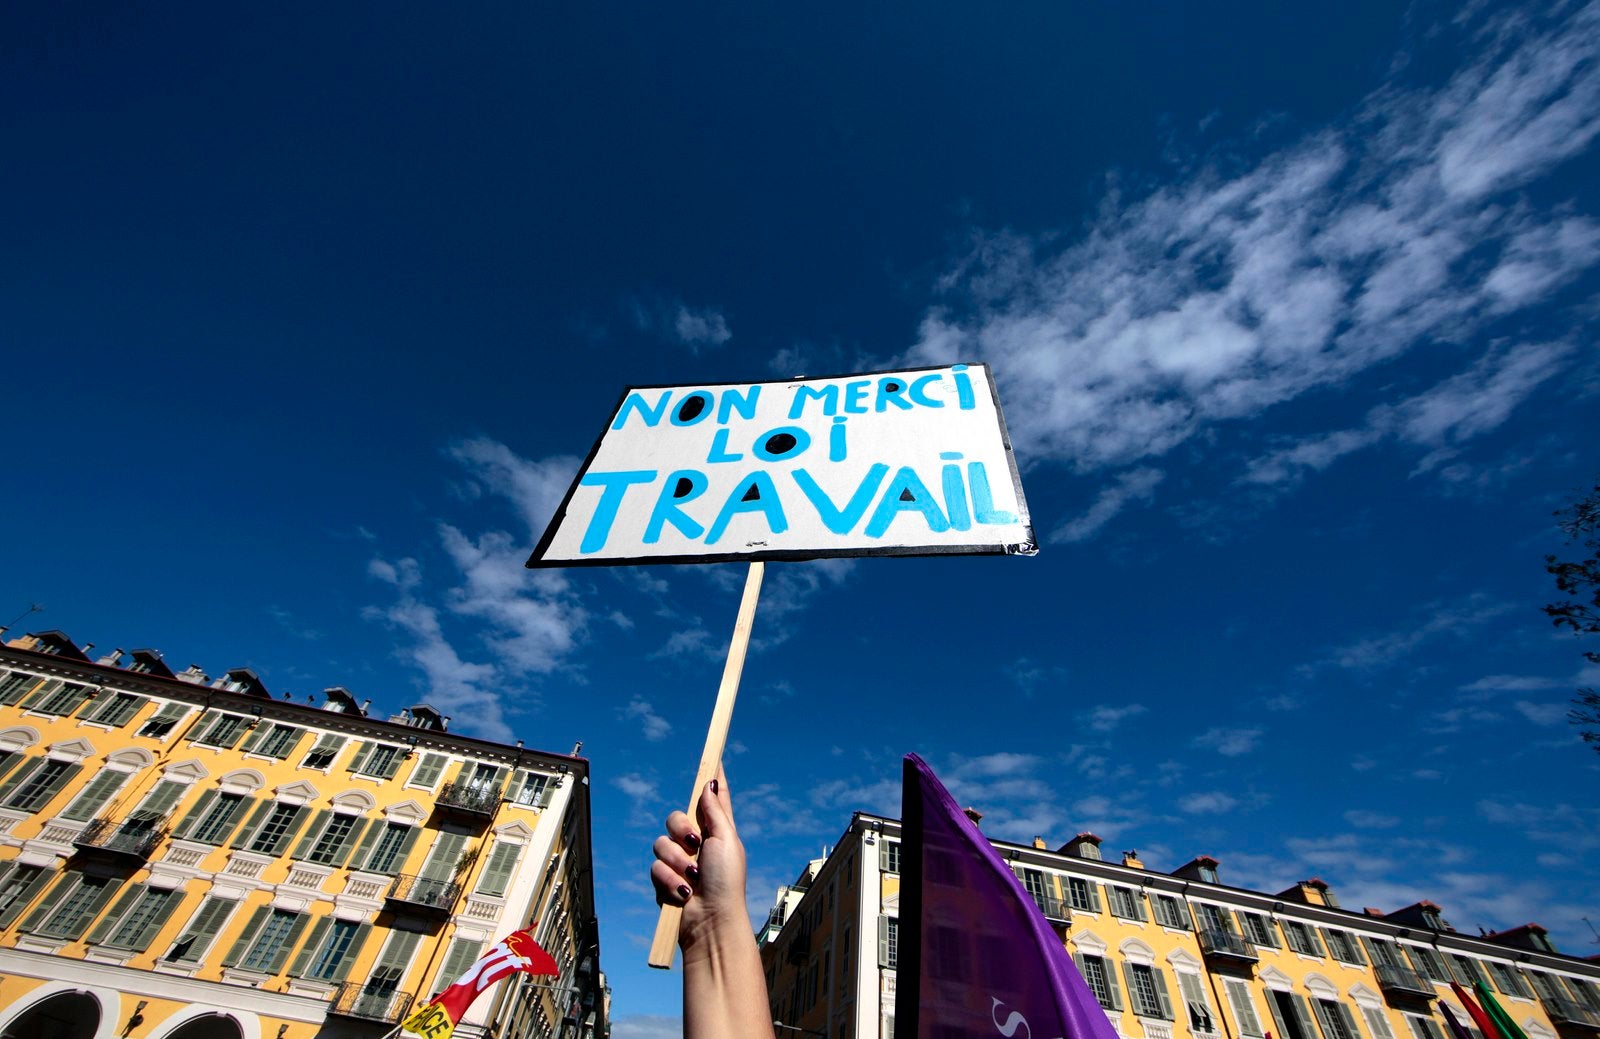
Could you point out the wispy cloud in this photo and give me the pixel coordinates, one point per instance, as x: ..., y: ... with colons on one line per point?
x: 1214, y: 802
x: 696, y: 328
x: 1107, y: 717
x: 1432, y: 620
x: 1220, y: 297
x: 653, y: 727
x: 1230, y: 743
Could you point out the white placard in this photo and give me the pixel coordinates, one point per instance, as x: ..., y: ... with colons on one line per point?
x: 913, y: 462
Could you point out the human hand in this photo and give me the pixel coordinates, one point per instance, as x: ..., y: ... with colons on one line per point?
x: 700, y: 866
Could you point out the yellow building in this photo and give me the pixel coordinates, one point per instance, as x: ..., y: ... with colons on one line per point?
x: 1172, y: 956
x: 183, y: 858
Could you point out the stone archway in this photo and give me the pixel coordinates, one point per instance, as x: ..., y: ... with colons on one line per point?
x: 65, y: 1015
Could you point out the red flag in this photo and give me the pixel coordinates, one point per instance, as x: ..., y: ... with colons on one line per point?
x: 515, y: 952
x: 1484, y: 1022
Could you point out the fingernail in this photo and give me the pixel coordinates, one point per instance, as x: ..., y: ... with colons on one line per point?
x: 693, y: 873
x: 693, y: 841
x: 713, y: 786
x: 684, y: 892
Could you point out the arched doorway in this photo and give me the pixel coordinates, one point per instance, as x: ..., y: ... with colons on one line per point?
x: 65, y: 1015
x: 210, y: 1026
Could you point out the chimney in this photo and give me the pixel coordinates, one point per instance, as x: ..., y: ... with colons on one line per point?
x: 1130, y: 858
x: 1038, y: 842
x: 973, y: 814
x: 112, y: 659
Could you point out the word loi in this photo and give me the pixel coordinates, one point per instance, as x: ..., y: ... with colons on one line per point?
x: 912, y: 462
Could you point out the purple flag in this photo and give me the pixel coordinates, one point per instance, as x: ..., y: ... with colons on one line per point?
x: 975, y: 956
x: 1457, y: 1030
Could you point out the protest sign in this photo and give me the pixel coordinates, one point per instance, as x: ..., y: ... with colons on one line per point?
x: 911, y: 462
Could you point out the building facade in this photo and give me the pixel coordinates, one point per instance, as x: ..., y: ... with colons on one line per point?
x: 1172, y: 956
x: 183, y: 858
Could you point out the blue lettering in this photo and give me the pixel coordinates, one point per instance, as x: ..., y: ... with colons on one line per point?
x: 919, y: 391
x: 906, y: 493
x: 694, y: 407
x: 891, y: 389
x: 681, y: 487
x: 775, y: 445
x: 963, y: 387
x: 634, y: 402
x: 955, y: 492
x: 731, y: 402
x: 983, y: 498
x: 842, y: 521
x: 719, y: 449
x: 828, y: 395
x: 605, y: 513
x: 836, y: 439
x: 756, y: 493
x: 855, y: 397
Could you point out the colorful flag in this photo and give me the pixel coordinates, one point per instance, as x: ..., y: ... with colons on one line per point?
x: 1497, y: 1013
x: 1484, y: 1022
x: 1457, y: 1029
x: 517, y: 951
x: 974, y: 955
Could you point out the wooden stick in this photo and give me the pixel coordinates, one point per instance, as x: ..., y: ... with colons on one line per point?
x: 666, y: 939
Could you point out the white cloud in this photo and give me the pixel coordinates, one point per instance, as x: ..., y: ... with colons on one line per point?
x: 654, y: 727
x: 1230, y: 743
x: 1105, y: 717
x: 1369, y: 820
x: 647, y: 1026
x: 535, y: 487
x: 1432, y: 620
x: 697, y: 328
x: 1511, y: 683
x: 1213, y: 803
x: 1221, y: 297
x: 1543, y: 713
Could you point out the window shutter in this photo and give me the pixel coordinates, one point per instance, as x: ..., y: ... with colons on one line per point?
x: 118, y: 710
x: 281, y: 956
x: 410, y: 841
x: 258, y: 735
x: 357, y: 835
x: 49, y: 793
x: 1375, y: 954
x: 252, y: 824
x: 1244, y: 1013
x: 1303, y: 1015
x: 393, y: 766
x: 67, y: 882
x: 1110, y: 971
x: 206, y: 924
x: 442, y: 860
x: 187, y: 824
x: 883, y: 858
x: 43, y: 692
x: 342, y: 971
x: 463, y: 954
x: 549, y: 792
x: 426, y: 774
x: 40, y: 878
x: 19, y: 778
x: 16, y: 687
x: 241, y: 945
x: 289, y: 744
x: 96, y: 903
x: 1313, y: 941
x: 497, y: 874
x: 373, y: 829
x: 1349, y: 1020
x: 883, y: 942
x: 152, y: 926
x: 1277, y: 1017
x: 203, y: 726
x: 98, y: 791
x: 1377, y: 1024
x: 119, y: 909
x: 1139, y: 912
x: 318, y: 821
x: 313, y: 946
x: 160, y: 800
x: 1161, y: 991
x: 1127, y: 976
x: 397, y: 955
x: 360, y: 758
x: 1094, y: 897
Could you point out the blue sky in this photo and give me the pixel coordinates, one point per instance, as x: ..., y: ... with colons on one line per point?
x: 309, y: 313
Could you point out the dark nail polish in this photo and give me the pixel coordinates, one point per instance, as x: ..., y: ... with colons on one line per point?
x: 713, y: 786
x: 693, y: 841
x: 693, y: 873
x: 684, y: 892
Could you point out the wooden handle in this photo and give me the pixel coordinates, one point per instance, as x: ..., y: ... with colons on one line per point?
x: 666, y: 939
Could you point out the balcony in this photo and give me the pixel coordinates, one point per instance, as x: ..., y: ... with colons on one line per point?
x: 1226, y: 947
x: 1398, y: 981
x: 800, y: 948
x: 1567, y: 1012
x: 1055, y: 910
x: 355, y: 999
x: 421, y: 896
x: 469, y: 801
x: 129, y: 843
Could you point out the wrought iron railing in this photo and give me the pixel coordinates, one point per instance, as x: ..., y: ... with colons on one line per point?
x: 1565, y: 1011
x: 1215, y: 942
x: 469, y: 798
x: 424, y: 892
x: 122, y: 838
x: 370, y: 1003
x: 1401, y: 980
x: 1054, y: 909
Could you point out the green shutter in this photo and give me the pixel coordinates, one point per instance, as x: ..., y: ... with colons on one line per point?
x: 426, y: 774
x: 258, y: 735
x: 497, y: 873
x: 409, y: 842
x: 41, y: 877
x: 319, y: 934
x: 9, y: 759
x: 1303, y: 1015
x: 373, y: 830
x: 205, y: 926
x: 394, y: 764
x: 122, y: 715
x: 342, y: 971
x: 19, y: 778
x: 1277, y: 1017
x: 152, y: 927
x: 119, y: 909
x: 187, y: 824
x: 289, y: 831
x: 398, y: 953
x: 359, y: 758
x: 16, y: 686
x: 1112, y: 987
x: 442, y: 860
x: 281, y: 957
x: 463, y: 954
x: 94, y: 795
x: 358, y: 835
x: 883, y: 942
x: 203, y: 726
x: 50, y: 792
x: 95, y: 905
x: 1094, y: 897
x: 158, y: 803
x: 252, y: 824
x: 1161, y: 992
x: 241, y: 945
x: 309, y: 839
x: 1348, y: 1019
x: 44, y: 692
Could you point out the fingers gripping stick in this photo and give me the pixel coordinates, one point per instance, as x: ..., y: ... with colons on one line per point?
x: 666, y: 938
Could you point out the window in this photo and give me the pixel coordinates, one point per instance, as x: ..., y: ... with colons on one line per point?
x: 1208, y: 875
x: 889, y: 856
x: 95, y: 794
x: 221, y: 730
x: 275, y: 831
x: 1335, y: 1019
x: 428, y: 770
x: 1148, y: 990
x: 1424, y: 1027
x: 1194, y: 1000
x: 1467, y: 970
x: 271, y: 944
x: 198, y: 935
x: 161, y: 723
x: 321, y: 756
x: 1214, y: 918
x: 1257, y: 929
x: 888, y: 941
x: 1125, y: 902
x: 1377, y: 1024
x: 1343, y: 947
x: 66, y: 699
x: 1508, y: 980
x: 393, y: 844
x: 136, y: 917
x: 332, y: 948
x: 497, y: 871
x: 534, y: 789
x: 463, y: 954
x: 1429, y: 964
x: 1244, y: 1011
x: 1102, y: 980
x: 15, y: 685
x: 1082, y: 894
x: 330, y: 846
x: 34, y: 787
x: 1170, y: 912
x: 1301, y: 938
x: 381, y: 760
x: 70, y: 905
x: 1037, y: 887
x: 275, y: 741
x: 212, y: 819
x: 17, y: 889
x: 1292, y: 1015
x: 117, y: 710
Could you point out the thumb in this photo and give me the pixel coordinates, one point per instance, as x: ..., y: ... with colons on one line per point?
x: 715, y: 809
